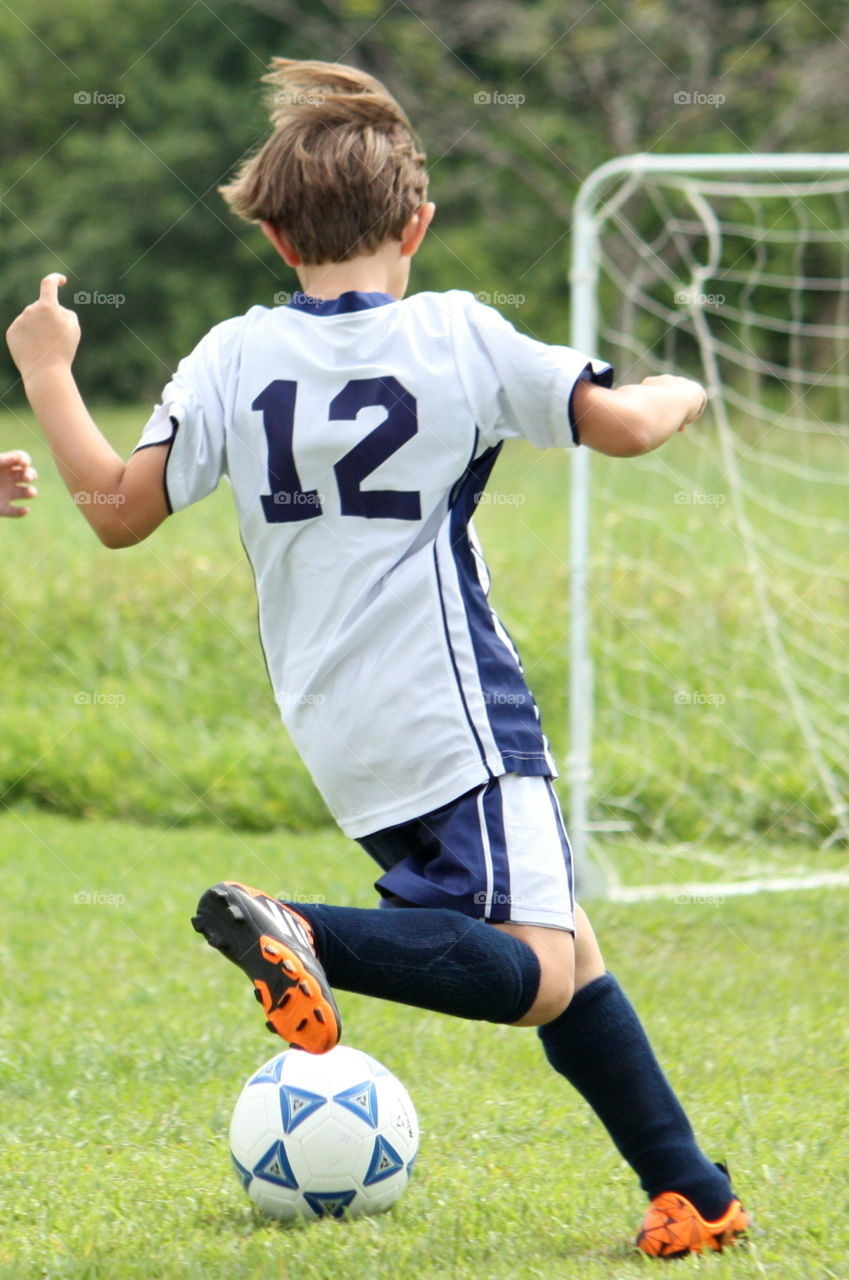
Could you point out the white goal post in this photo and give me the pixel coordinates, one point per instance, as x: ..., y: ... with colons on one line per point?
x: 733, y: 269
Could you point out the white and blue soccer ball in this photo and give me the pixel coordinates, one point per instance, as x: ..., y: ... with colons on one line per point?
x: 323, y: 1135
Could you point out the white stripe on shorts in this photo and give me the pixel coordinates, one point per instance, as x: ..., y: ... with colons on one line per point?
x: 538, y: 852
x: 487, y: 852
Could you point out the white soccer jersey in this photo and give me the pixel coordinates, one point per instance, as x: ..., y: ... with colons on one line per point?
x: 357, y: 435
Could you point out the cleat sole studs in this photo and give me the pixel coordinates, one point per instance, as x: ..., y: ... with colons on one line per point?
x: 284, y: 984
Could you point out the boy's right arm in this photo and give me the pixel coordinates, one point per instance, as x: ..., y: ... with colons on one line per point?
x: 627, y: 421
x: 123, y: 502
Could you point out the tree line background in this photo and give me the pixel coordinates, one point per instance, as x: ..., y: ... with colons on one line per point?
x: 120, y: 121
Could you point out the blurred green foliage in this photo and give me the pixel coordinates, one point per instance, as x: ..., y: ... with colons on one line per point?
x: 121, y: 121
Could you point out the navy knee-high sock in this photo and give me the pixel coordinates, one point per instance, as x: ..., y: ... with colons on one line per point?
x: 600, y: 1046
x: 432, y: 958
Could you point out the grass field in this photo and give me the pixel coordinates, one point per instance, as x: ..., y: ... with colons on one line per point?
x: 141, y: 758
x: 126, y: 1040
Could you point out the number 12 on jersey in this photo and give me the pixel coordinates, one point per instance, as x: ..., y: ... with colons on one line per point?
x: 288, y: 501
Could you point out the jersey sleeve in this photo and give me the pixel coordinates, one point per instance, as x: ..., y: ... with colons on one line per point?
x: 518, y: 387
x: 191, y: 419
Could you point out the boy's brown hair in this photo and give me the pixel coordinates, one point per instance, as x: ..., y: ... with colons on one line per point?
x: 341, y: 174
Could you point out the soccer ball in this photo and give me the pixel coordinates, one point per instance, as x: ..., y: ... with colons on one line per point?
x: 323, y: 1135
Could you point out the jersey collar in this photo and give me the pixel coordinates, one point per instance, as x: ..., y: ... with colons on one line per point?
x: 353, y: 300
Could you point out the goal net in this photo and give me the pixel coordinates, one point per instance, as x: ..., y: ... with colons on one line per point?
x: 710, y: 580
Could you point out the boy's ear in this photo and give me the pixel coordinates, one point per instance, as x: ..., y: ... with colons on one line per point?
x: 281, y: 243
x: 414, y: 232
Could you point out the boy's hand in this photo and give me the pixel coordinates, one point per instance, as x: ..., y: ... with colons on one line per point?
x: 693, y: 392
x: 45, y: 336
x: 16, y: 476
x: 627, y: 421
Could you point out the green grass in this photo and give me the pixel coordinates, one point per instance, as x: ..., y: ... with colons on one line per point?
x: 125, y: 1041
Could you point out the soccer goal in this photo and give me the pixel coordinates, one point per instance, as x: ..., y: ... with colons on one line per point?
x: 709, y: 720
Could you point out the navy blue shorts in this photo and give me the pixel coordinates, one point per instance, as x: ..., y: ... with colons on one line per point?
x: 500, y: 852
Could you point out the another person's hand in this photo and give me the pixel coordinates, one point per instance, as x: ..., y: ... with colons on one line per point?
x: 16, y: 481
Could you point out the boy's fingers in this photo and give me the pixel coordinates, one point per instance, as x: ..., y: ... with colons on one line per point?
x: 50, y: 287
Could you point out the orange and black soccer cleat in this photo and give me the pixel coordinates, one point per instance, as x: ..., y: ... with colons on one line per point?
x: 672, y: 1227
x: 274, y: 947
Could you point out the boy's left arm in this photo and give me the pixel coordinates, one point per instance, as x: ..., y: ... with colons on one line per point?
x: 122, y: 501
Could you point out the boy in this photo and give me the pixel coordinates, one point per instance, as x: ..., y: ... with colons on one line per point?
x: 358, y: 430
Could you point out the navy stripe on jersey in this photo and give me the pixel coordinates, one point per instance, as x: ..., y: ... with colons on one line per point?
x: 510, y: 708
x: 454, y: 668
x: 352, y: 300
x: 154, y: 444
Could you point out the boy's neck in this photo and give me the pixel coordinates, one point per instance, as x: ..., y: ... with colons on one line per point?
x: 381, y: 272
